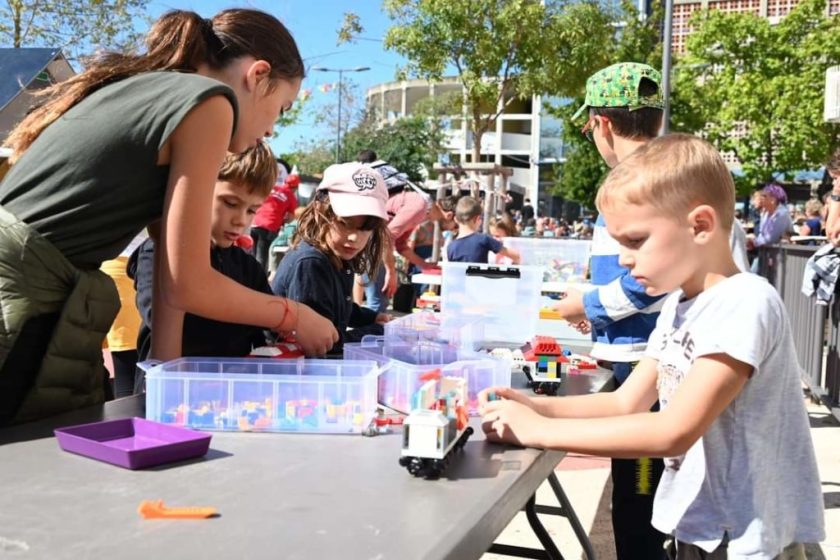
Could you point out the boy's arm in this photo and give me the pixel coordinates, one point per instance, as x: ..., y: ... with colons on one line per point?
x: 361, y: 316
x: 512, y: 254
x: 637, y: 394
x: 709, y: 387
x: 498, y: 247
x: 621, y: 298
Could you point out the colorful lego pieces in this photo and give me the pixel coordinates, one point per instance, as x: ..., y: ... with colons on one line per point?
x: 437, y: 425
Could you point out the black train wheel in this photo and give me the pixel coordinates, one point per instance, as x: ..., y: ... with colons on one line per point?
x: 416, y: 466
x: 434, y: 467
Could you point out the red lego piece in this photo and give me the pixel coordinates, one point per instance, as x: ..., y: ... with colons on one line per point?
x: 546, y: 345
x: 431, y: 374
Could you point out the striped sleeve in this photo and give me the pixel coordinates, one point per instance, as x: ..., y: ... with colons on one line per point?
x: 619, y: 295
x: 621, y: 298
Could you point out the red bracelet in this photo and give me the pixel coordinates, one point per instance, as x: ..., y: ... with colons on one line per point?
x: 280, y: 327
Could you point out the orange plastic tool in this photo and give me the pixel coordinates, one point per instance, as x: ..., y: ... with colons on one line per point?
x: 154, y: 509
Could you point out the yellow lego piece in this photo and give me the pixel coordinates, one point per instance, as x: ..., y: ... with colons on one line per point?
x: 549, y: 313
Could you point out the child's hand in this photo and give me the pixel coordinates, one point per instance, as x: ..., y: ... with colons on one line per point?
x: 382, y: 318
x: 511, y: 422
x: 571, y: 306
x: 390, y: 287
x: 583, y: 327
x: 315, y: 334
x: 499, y: 393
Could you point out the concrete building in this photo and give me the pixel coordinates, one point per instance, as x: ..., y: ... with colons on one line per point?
x: 773, y: 10
x: 525, y: 138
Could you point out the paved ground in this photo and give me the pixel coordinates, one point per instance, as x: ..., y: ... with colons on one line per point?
x: 586, y: 481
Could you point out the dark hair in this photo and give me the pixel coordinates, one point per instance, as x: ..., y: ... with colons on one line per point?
x: 644, y: 122
x: 314, y: 227
x: 254, y: 169
x: 285, y: 164
x: 448, y: 203
x: 366, y: 156
x: 504, y: 223
x: 181, y: 41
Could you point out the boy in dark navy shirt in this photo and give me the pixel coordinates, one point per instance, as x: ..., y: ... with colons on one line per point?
x: 471, y: 245
x: 241, y: 187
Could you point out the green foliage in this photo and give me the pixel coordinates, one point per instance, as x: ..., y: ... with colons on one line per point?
x: 741, y: 72
x: 77, y: 26
x: 411, y: 144
x: 312, y: 156
x: 580, y: 175
x: 350, y: 28
x: 501, y: 50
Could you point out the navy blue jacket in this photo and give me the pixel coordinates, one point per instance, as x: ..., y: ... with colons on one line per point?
x: 201, y: 337
x: 306, y: 275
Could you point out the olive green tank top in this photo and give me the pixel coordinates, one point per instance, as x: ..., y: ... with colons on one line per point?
x: 90, y: 182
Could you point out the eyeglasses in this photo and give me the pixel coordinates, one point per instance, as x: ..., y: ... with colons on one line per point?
x: 587, y: 128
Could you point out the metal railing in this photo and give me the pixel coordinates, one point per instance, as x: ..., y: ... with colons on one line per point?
x: 815, y: 327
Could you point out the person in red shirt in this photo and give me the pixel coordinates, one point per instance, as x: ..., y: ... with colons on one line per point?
x: 274, y: 212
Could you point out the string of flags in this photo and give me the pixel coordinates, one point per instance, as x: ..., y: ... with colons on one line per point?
x: 323, y: 88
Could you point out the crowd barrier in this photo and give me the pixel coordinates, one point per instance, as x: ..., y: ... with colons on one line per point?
x: 815, y: 327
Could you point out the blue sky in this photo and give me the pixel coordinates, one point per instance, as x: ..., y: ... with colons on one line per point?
x: 314, y: 24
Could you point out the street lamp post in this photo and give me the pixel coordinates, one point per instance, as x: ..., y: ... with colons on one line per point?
x: 341, y: 72
x: 666, y: 66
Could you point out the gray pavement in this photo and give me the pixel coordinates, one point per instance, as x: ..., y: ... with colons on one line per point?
x: 586, y: 481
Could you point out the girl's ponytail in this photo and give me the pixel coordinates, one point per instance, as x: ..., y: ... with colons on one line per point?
x: 180, y: 41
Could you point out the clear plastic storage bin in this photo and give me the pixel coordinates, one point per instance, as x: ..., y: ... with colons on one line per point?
x: 263, y: 395
x: 506, y: 300
x: 464, y: 333
x: 403, y: 364
x: 564, y: 260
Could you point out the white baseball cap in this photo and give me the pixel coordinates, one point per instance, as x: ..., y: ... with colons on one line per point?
x: 355, y: 189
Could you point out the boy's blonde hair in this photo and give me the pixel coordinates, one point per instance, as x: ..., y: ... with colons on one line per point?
x: 813, y: 207
x: 674, y: 174
x: 255, y: 169
x: 467, y: 209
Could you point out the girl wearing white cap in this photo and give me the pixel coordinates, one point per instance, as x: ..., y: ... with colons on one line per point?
x: 341, y: 232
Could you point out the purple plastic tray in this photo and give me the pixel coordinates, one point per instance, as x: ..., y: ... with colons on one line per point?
x: 133, y: 443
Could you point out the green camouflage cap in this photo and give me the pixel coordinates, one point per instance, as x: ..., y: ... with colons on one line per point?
x: 618, y: 86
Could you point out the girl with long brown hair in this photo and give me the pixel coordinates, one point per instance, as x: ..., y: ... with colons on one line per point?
x: 341, y: 232
x: 133, y: 141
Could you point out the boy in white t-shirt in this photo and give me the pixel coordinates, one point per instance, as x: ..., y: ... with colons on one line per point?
x: 740, y: 478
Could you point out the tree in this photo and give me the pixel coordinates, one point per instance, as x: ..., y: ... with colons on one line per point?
x: 77, y: 26
x: 583, y: 171
x: 312, y: 156
x: 501, y: 50
x: 410, y: 144
x: 758, y: 88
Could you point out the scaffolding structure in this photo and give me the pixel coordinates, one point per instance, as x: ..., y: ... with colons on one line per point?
x: 489, y: 178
